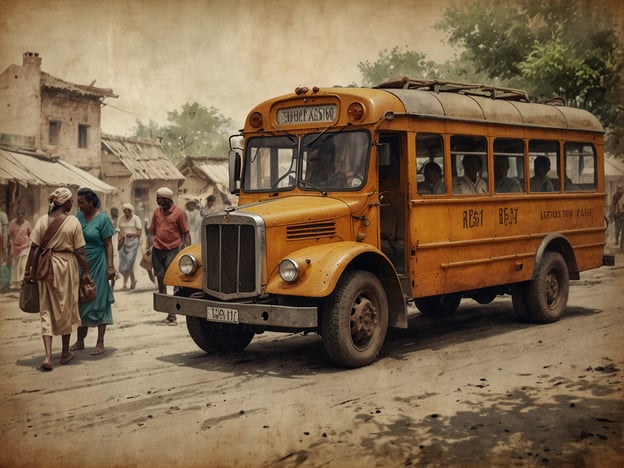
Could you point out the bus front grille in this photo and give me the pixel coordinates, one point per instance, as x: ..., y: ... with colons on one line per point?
x: 230, y: 260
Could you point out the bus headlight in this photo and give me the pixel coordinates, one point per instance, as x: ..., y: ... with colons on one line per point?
x: 289, y: 270
x: 188, y: 264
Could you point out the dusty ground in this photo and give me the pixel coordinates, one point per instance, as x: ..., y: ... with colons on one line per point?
x: 476, y: 390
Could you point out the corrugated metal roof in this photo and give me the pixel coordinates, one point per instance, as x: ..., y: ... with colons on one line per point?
x: 28, y: 170
x: 216, y: 170
x: 144, y: 159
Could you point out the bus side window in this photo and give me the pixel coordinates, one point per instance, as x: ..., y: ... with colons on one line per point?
x: 508, y: 165
x: 580, y: 163
x: 430, y: 164
x: 544, y: 160
x: 469, y: 159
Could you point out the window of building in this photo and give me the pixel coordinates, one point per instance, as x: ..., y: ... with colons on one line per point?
x: 83, y: 136
x: 54, y: 130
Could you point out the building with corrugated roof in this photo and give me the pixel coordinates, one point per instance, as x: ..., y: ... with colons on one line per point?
x: 204, y: 176
x: 137, y: 167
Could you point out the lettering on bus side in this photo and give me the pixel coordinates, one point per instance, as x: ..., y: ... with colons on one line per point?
x: 507, y: 216
x: 473, y: 219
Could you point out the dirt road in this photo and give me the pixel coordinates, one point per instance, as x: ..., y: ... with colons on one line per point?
x: 478, y: 389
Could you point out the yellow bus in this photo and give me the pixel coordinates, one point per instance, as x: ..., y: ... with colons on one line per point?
x: 355, y: 201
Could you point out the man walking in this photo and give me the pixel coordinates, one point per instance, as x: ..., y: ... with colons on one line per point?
x: 168, y: 234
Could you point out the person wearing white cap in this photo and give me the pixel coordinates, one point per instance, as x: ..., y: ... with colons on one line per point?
x: 168, y: 234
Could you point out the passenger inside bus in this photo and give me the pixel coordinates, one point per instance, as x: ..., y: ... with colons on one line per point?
x: 471, y: 182
x: 434, y: 182
x: 540, y: 181
x: 321, y: 166
x: 502, y: 183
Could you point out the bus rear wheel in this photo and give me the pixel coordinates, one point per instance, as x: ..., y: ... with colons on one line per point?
x: 355, y: 320
x: 547, y: 293
x: 444, y: 304
x: 219, y: 338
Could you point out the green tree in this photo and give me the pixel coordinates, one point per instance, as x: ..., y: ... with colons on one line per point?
x: 398, y: 62
x: 567, y: 48
x: 193, y: 130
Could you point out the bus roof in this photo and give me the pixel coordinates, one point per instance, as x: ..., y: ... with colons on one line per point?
x: 485, y: 103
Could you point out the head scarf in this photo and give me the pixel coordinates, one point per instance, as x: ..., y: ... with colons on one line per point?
x: 165, y: 192
x: 127, y: 206
x: 59, y: 197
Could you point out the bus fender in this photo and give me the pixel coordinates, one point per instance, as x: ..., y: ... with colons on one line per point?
x: 322, y: 266
x: 557, y: 242
x: 173, y: 275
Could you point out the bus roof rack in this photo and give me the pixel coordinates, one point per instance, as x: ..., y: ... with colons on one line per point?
x: 494, y: 92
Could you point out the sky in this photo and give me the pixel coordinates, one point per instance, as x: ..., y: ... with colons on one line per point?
x: 157, y: 55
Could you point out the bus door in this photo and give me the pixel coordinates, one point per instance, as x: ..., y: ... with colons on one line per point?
x: 392, y: 202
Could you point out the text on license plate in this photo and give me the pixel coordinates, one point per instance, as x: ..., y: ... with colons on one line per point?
x: 222, y: 314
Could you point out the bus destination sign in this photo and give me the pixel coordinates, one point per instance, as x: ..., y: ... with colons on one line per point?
x: 306, y: 114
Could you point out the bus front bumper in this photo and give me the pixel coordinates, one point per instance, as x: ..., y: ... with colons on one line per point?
x: 267, y: 315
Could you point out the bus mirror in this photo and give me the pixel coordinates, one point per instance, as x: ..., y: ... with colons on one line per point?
x: 383, y: 154
x: 234, y: 158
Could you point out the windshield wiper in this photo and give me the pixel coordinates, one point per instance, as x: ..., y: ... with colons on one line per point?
x: 310, y: 184
x: 291, y: 137
x: 331, y: 135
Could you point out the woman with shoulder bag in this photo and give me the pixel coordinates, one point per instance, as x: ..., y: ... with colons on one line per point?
x: 58, y: 292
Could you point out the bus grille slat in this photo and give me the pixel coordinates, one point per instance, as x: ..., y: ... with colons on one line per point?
x: 231, y: 256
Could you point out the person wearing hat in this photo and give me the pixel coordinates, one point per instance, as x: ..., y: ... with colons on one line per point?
x: 129, y: 227
x: 168, y: 234
x: 58, y: 294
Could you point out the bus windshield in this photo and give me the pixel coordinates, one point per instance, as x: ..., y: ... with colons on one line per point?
x: 329, y: 161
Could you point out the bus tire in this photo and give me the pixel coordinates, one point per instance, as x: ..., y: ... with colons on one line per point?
x: 219, y: 338
x: 518, y: 299
x: 444, y: 304
x: 547, y: 294
x: 355, y: 320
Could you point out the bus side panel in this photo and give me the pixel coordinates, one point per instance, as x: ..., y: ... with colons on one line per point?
x: 475, y: 242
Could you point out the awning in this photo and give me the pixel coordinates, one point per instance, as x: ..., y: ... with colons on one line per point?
x: 29, y: 170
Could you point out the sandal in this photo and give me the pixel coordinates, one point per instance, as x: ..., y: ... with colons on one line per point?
x: 66, y: 359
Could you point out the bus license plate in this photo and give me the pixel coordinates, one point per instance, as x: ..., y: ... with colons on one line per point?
x: 222, y: 314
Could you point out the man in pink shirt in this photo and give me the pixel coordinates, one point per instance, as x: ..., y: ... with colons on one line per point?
x: 168, y: 234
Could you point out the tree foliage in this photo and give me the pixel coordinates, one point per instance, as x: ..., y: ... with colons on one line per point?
x: 566, y: 48
x: 398, y: 62
x: 193, y: 130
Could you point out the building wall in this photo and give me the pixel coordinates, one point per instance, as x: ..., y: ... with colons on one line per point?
x: 70, y: 112
x: 20, y: 100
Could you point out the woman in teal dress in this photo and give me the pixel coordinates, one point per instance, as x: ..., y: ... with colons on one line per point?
x: 98, y: 231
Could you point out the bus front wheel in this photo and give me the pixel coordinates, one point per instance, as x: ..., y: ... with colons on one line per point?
x: 355, y: 320
x: 547, y: 293
x: 220, y: 338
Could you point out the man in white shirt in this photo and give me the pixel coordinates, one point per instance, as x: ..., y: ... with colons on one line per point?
x: 471, y: 182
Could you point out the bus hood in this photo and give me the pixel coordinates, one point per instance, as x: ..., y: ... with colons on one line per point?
x: 299, y: 209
